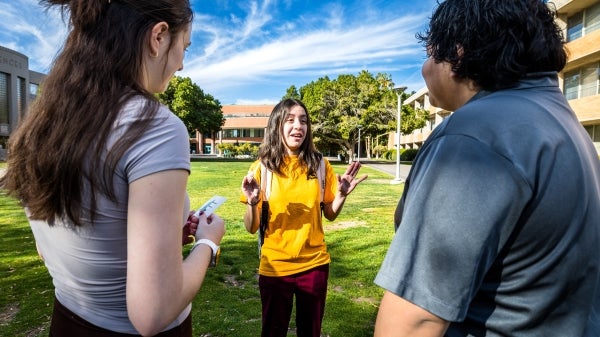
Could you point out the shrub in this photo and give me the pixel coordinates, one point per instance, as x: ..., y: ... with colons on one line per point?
x: 390, y: 154
x: 409, y: 154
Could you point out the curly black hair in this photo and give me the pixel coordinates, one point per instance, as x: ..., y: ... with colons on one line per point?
x: 495, y: 43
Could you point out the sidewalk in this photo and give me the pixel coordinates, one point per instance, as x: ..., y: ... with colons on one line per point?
x: 387, y: 167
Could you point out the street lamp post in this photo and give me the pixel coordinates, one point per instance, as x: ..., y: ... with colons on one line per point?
x: 399, y: 91
x: 358, y: 157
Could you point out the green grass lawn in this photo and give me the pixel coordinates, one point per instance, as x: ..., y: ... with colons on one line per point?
x: 228, y: 303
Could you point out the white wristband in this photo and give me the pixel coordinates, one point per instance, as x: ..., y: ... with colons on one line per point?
x: 207, y: 242
x: 213, y: 246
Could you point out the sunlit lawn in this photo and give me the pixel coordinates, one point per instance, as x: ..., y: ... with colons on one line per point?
x: 228, y: 303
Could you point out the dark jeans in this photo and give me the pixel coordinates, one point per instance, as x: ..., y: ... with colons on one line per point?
x: 66, y: 324
x: 277, y: 296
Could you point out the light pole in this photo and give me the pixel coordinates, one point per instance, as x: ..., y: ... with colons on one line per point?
x: 399, y: 91
x: 358, y: 157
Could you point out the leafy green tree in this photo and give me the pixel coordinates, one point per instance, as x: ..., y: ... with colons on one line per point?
x: 199, y: 111
x: 291, y: 92
x: 338, y: 108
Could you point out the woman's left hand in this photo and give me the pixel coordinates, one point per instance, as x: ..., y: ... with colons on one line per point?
x: 348, y: 181
x: 189, y: 229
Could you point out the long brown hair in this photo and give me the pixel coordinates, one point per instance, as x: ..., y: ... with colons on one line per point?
x: 272, y: 151
x: 63, y: 138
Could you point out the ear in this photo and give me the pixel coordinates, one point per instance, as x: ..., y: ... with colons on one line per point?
x: 459, y: 52
x: 158, y: 37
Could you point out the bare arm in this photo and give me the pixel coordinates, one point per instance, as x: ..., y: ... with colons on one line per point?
x: 160, y: 284
x: 398, y: 317
x: 346, y: 184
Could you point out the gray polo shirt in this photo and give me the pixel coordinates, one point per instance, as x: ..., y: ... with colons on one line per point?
x: 499, y: 221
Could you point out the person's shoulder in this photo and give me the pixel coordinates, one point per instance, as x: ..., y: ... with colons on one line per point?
x: 255, y: 166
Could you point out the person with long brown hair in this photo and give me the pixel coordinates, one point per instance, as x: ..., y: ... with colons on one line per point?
x: 294, y: 261
x: 101, y: 168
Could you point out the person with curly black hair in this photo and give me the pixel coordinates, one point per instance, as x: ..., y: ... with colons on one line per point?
x: 498, y: 227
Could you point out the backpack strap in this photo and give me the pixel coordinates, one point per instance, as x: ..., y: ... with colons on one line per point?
x: 266, y: 176
x: 321, y: 177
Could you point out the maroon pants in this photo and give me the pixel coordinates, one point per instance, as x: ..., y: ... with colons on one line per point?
x: 67, y: 324
x: 277, y: 296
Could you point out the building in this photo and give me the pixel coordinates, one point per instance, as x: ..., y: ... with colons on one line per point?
x: 243, y: 124
x: 579, y: 80
x: 420, y: 99
x: 18, y: 87
x: 580, y: 20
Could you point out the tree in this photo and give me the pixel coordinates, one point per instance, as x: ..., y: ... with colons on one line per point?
x: 338, y: 108
x: 198, y: 111
x: 291, y: 92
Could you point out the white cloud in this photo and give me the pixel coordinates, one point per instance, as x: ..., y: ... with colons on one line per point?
x: 37, y: 38
x: 309, y: 52
x: 245, y: 51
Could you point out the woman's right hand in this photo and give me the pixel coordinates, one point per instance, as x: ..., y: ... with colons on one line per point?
x: 211, y: 227
x: 250, y: 188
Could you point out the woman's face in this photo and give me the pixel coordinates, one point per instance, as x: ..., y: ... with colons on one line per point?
x: 295, y: 126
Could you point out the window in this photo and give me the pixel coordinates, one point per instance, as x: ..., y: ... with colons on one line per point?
x: 594, y: 132
x: 4, y: 118
x: 258, y: 133
x: 589, y: 81
x: 239, y: 133
x: 22, y: 96
x: 592, y: 18
x: 571, y: 89
x: 431, y: 122
x: 575, y: 26
x: 582, y: 82
x: 230, y: 133
x: 583, y: 22
x: 33, y: 89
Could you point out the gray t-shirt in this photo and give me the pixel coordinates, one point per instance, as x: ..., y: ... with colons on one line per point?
x: 88, y: 264
x: 499, y: 223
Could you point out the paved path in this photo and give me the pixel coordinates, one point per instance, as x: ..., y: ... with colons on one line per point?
x: 386, y: 167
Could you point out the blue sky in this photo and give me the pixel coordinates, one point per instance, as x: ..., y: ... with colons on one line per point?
x: 250, y: 52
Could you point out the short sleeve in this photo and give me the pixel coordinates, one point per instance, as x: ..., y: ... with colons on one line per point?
x: 463, y: 202
x: 330, y: 183
x: 164, y: 146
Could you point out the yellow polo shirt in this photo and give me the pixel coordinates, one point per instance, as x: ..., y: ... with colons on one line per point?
x: 294, y: 240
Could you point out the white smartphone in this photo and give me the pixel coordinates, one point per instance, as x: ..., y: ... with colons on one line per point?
x: 211, y: 205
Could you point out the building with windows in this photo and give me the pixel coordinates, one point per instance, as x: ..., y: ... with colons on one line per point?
x: 580, y: 79
x: 18, y: 87
x: 243, y: 124
x: 420, y: 100
x: 580, y: 20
